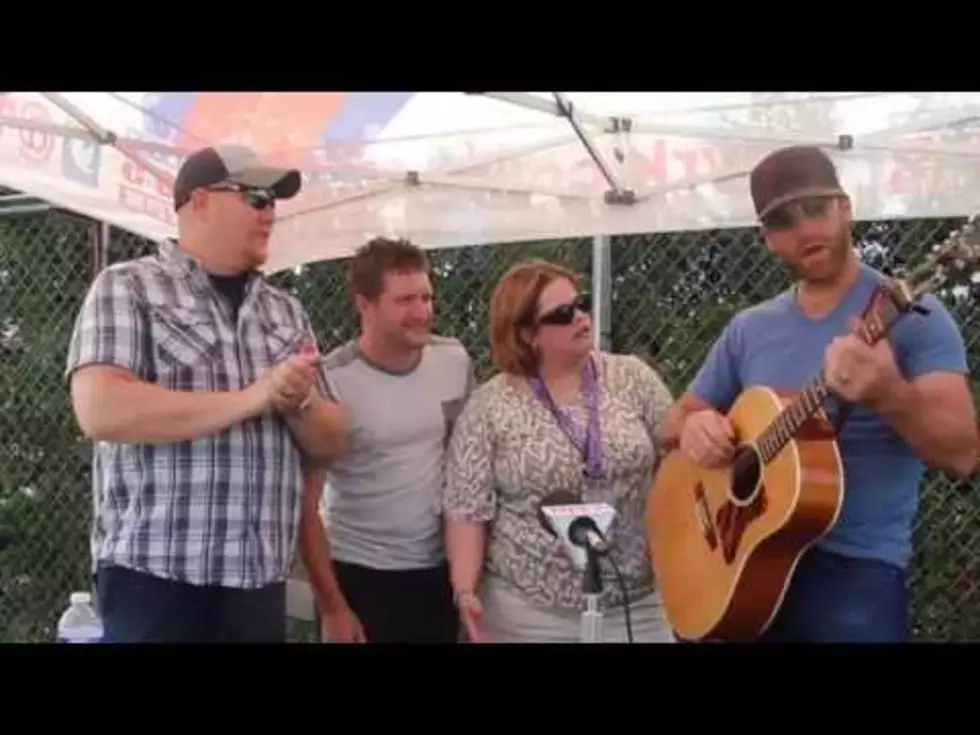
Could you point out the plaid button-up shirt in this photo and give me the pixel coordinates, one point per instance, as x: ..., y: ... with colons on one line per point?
x: 222, y: 509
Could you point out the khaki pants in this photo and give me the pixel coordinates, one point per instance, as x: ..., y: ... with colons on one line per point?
x: 509, y: 618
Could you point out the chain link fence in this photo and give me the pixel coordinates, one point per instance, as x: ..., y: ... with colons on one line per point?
x: 670, y: 293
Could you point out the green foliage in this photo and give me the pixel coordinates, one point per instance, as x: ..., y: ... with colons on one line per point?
x: 671, y: 295
x: 44, y: 484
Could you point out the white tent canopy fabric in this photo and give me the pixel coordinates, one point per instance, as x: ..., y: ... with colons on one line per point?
x: 453, y: 169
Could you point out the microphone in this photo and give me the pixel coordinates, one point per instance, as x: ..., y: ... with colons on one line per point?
x: 581, y: 527
x: 584, y: 532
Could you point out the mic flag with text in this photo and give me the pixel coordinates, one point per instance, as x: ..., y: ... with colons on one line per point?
x: 577, y: 525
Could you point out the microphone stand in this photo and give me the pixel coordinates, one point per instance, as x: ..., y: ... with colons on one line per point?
x: 591, y: 627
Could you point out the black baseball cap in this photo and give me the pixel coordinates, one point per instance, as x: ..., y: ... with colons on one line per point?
x: 792, y: 173
x: 233, y: 164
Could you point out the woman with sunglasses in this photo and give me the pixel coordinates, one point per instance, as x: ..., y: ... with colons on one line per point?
x: 559, y: 416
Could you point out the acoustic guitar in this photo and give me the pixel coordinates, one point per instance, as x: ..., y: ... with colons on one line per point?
x: 724, y: 543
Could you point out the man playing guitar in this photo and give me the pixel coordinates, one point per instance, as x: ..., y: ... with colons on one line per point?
x: 908, y: 402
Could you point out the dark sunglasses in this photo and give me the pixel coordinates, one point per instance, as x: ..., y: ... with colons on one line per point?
x: 255, y: 198
x: 564, y: 314
x: 784, y: 217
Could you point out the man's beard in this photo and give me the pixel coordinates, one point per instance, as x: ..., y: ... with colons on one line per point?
x: 837, y: 254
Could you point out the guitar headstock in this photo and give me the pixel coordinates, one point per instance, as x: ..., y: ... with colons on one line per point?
x: 954, y: 259
x: 957, y: 258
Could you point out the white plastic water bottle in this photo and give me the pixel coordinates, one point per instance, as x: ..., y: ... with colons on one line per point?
x: 80, y: 623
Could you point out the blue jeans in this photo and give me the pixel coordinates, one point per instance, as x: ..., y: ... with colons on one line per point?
x: 840, y: 599
x: 140, y: 608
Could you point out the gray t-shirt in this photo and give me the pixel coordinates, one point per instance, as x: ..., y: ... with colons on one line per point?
x: 383, y: 496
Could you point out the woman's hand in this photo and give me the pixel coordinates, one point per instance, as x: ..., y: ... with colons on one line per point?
x: 471, y: 615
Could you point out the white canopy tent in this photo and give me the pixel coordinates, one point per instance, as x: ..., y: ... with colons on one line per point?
x: 452, y: 169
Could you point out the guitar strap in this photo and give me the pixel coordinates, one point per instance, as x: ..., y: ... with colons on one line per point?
x: 844, y: 408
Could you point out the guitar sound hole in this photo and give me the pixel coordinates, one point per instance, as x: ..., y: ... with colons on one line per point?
x: 746, y: 475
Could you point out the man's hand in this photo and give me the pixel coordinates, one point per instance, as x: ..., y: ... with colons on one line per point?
x: 342, y: 626
x: 318, y: 424
x: 291, y: 382
x: 287, y: 385
x: 933, y: 412
x: 858, y: 372
x: 708, y: 438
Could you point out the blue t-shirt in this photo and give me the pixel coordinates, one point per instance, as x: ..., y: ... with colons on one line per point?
x: 777, y: 345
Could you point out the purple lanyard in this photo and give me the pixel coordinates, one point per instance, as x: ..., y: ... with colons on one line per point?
x: 589, y: 445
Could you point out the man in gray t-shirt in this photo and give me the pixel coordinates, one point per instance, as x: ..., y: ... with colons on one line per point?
x: 402, y: 387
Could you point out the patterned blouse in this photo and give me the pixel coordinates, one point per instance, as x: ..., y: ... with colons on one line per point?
x: 508, y: 452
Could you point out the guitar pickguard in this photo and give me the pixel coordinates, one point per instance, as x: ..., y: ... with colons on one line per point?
x: 732, y: 520
x: 703, y: 514
x: 729, y: 524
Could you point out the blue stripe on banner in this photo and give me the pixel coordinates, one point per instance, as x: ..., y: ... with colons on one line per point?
x: 361, y: 110
x: 172, y: 106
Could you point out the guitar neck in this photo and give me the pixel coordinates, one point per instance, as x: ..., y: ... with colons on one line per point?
x: 880, y: 317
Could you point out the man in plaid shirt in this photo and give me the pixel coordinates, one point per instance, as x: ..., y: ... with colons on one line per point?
x: 199, y: 384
